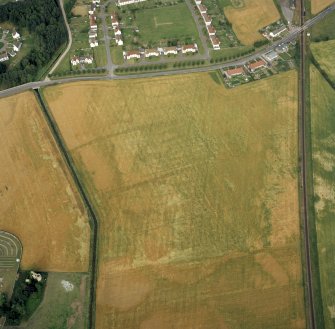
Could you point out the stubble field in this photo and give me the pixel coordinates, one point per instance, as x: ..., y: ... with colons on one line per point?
x: 37, y: 200
x: 318, y: 5
x: 249, y: 19
x: 196, y: 192
x: 323, y: 142
x: 324, y: 53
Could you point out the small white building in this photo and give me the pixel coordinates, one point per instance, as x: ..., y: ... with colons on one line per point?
x: 75, y: 61
x: 202, y: 9
x: 92, y: 34
x: 118, y: 40
x: 207, y: 19
x: 36, y: 276
x: 4, y: 57
x: 215, y: 42
x: 17, y: 46
x: 133, y: 54
x: 117, y: 31
x: 115, y: 22
x: 198, y: 2
x: 93, y: 42
x: 15, y: 35
x: 189, y: 49
x: 170, y: 51
x: 151, y: 53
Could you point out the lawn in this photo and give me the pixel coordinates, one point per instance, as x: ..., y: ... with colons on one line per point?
x: 166, y: 23
x: 318, y: 5
x: 60, y: 308
x: 323, y: 142
x: 38, y: 200
x: 117, y: 55
x: 324, y: 53
x: 196, y: 193
x: 249, y: 19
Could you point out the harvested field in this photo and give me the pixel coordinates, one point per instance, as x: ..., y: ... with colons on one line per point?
x: 196, y: 192
x: 324, y: 53
x: 248, y: 20
x: 37, y: 200
x: 323, y: 142
x: 318, y: 5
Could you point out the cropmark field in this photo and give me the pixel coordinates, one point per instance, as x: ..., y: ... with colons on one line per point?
x: 196, y: 192
x: 37, y: 200
x: 250, y: 18
x: 323, y: 142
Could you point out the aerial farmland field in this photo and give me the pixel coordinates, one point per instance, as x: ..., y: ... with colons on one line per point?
x: 250, y: 18
x: 318, y: 5
x: 38, y: 202
x: 196, y: 193
x: 323, y: 142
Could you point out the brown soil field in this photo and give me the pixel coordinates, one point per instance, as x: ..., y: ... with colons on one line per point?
x: 37, y: 200
x: 318, y: 5
x: 196, y: 193
x: 248, y: 20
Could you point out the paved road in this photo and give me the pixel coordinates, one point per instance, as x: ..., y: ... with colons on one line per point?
x: 69, y: 43
x: 293, y: 35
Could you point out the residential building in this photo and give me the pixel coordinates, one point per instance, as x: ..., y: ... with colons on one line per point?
x: 211, y: 30
x: 96, y: 1
x: 92, y: 9
x: 115, y: 22
x: 117, y: 31
x: 93, y: 23
x: 4, y: 57
x: 17, y: 46
x: 92, y: 34
x: 133, y: 54
x: 202, y: 9
x: 198, y: 2
x: 128, y: 2
x: 170, y: 51
x: 15, y: 35
x: 234, y: 72
x: 256, y: 65
x: 207, y: 19
x: 75, y: 60
x: 276, y: 33
x: 93, y: 42
x: 215, y: 42
x: 189, y: 49
x: 282, y: 48
x: 270, y: 56
x: 118, y: 40
x: 151, y: 53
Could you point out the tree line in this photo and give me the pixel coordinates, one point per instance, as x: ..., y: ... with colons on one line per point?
x: 44, y: 20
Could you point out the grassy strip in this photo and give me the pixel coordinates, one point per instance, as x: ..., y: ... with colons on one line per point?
x: 84, y: 195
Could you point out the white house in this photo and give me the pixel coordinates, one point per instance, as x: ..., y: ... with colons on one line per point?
x: 117, y: 31
x: 278, y: 32
x: 96, y: 1
x: 4, y: 57
x: 197, y: 2
x: 17, y: 46
x: 211, y: 30
x: 132, y: 54
x: 189, y: 49
x: 118, y: 40
x: 207, y: 19
x: 15, y: 35
x: 151, y: 53
x: 215, y: 42
x: 128, y: 2
x: 170, y: 51
x: 93, y: 23
x: 93, y: 42
x: 115, y: 22
x: 75, y: 60
x: 202, y: 9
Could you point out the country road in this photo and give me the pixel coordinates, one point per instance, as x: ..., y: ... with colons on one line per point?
x: 293, y: 35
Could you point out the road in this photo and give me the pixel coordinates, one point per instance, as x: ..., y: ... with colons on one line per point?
x: 61, y: 4
x: 293, y: 35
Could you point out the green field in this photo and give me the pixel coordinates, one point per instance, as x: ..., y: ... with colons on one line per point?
x: 324, y: 30
x: 196, y: 193
x: 324, y: 54
x: 62, y: 309
x: 323, y: 143
x: 173, y: 22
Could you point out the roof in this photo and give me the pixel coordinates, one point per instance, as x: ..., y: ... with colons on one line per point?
x: 190, y: 47
x: 133, y: 52
x: 170, y: 48
x: 257, y: 64
x: 152, y: 50
x: 211, y: 29
x: 215, y: 40
x: 271, y: 55
x: 237, y: 70
x: 93, y: 20
x: 115, y: 20
x: 202, y: 8
x: 3, y: 55
x: 206, y: 18
x: 279, y: 30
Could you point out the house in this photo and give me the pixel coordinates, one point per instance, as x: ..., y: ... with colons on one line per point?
x: 15, y: 35
x: 93, y: 42
x: 117, y: 31
x: 215, y: 42
x: 211, y: 30
x: 132, y: 54
x: 127, y: 2
x: 256, y: 65
x: 12, y: 53
x: 234, y: 72
x: 17, y: 46
x: 170, y: 51
x: 189, y: 49
x: 207, y: 19
x: 118, y: 40
x: 75, y: 60
x: 92, y: 9
x: 92, y: 34
x: 4, y: 57
x: 93, y: 23
x: 282, y: 48
x: 151, y: 53
x: 270, y: 56
x: 202, y: 9
x: 198, y: 2
x: 276, y: 33
x: 115, y: 22
x: 96, y: 1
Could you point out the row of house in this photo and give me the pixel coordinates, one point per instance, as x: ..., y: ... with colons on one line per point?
x: 147, y: 53
x: 127, y: 2
x: 93, y: 32
x: 11, y: 52
x: 251, y: 67
x: 75, y: 60
x: 117, y: 30
x: 208, y: 23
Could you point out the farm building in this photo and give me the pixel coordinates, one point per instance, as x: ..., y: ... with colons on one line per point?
x: 270, y: 56
x: 256, y: 65
x: 118, y: 40
x: 93, y: 23
x: 189, y: 49
x: 151, y: 53
x: 215, y: 42
x: 234, y: 72
x: 211, y: 30
x: 202, y: 9
x: 4, y: 57
x: 207, y: 19
x: 128, y: 2
x: 170, y: 51
x: 276, y: 33
x: 132, y: 54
